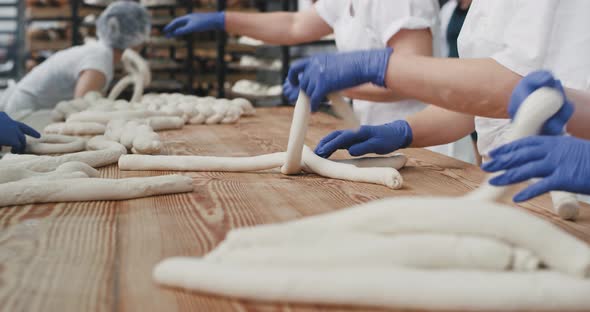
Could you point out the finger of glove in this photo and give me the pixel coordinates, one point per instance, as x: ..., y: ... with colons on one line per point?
x: 344, y: 141
x: 320, y: 147
x: 534, y: 190
x: 536, y: 169
x: 516, y: 145
x: 372, y: 145
x: 176, y: 23
x: 184, y: 30
x: 514, y: 159
x: 28, y: 130
x: 296, y: 69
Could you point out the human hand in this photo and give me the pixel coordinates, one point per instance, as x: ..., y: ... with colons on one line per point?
x: 531, y: 83
x: 12, y: 133
x: 562, y: 163
x: 323, y: 74
x: 380, y: 140
x: 195, y: 22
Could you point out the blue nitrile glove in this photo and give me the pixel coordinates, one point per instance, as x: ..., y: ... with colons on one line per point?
x: 529, y: 84
x: 323, y: 74
x: 12, y: 133
x: 290, y: 92
x: 562, y: 163
x: 380, y: 140
x: 195, y: 22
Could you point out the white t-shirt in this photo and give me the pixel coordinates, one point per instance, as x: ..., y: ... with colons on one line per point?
x: 55, y: 79
x: 370, y: 24
x: 524, y: 36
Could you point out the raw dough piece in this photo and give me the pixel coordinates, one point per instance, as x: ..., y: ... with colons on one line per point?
x: 317, y: 249
x: 438, y: 215
x: 135, y: 135
x: 445, y: 290
x: 75, y: 128
x: 294, y: 161
x: 90, y: 189
x: 386, y: 175
x: 101, y: 152
x: 71, y: 169
x: 55, y: 144
x: 106, y: 117
x: 297, y: 135
x: 138, y: 74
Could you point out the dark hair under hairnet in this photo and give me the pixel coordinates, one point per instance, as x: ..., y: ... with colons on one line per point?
x: 123, y: 24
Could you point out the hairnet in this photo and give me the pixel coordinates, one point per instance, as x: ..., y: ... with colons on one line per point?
x: 123, y: 24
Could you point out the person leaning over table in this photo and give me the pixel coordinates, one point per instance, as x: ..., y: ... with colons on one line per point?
x: 73, y: 72
x: 408, y: 26
x: 501, y: 41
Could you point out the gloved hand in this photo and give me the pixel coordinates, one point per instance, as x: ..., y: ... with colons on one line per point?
x: 323, y: 74
x: 530, y: 84
x: 563, y: 163
x: 12, y: 133
x: 195, y: 22
x: 380, y: 140
x: 290, y: 92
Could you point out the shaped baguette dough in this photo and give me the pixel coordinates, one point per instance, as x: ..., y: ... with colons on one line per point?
x: 384, y: 175
x: 297, y: 135
x: 76, y: 128
x: 55, y: 144
x: 106, y: 117
x: 70, y: 169
x: 100, y: 152
x: 297, y: 159
x: 90, y: 189
x: 317, y: 249
x: 447, y: 290
x: 438, y: 215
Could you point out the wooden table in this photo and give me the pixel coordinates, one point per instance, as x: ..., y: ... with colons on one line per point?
x: 99, y: 256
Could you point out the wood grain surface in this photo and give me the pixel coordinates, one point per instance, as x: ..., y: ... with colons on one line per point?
x: 99, y: 256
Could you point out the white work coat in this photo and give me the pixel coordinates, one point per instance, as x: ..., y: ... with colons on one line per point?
x: 524, y: 36
x: 370, y: 24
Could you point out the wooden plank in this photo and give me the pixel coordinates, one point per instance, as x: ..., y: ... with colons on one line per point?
x: 99, y: 256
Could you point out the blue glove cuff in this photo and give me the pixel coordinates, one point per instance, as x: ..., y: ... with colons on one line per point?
x: 380, y: 60
x: 403, y: 129
x: 221, y: 20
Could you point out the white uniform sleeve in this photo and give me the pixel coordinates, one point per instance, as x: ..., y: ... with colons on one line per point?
x: 329, y: 10
x: 99, y: 60
x: 391, y: 16
x: 526, y: 36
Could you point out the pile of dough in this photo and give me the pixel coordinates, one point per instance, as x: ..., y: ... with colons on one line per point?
x: 31, y: 179
x: 434, y: 253
x: 253, y: 88
x: 467, y: 253
x: 297, y: 159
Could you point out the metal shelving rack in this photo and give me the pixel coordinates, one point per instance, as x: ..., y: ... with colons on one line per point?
x: 12, y: 40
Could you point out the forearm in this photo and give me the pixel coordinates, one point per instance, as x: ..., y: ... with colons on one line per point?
x: 89, y: 80
x: 281, y: 28
x: 370, y: 92
x: 579, y: 125
x: 479, y: 87
x: 436, y: 126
